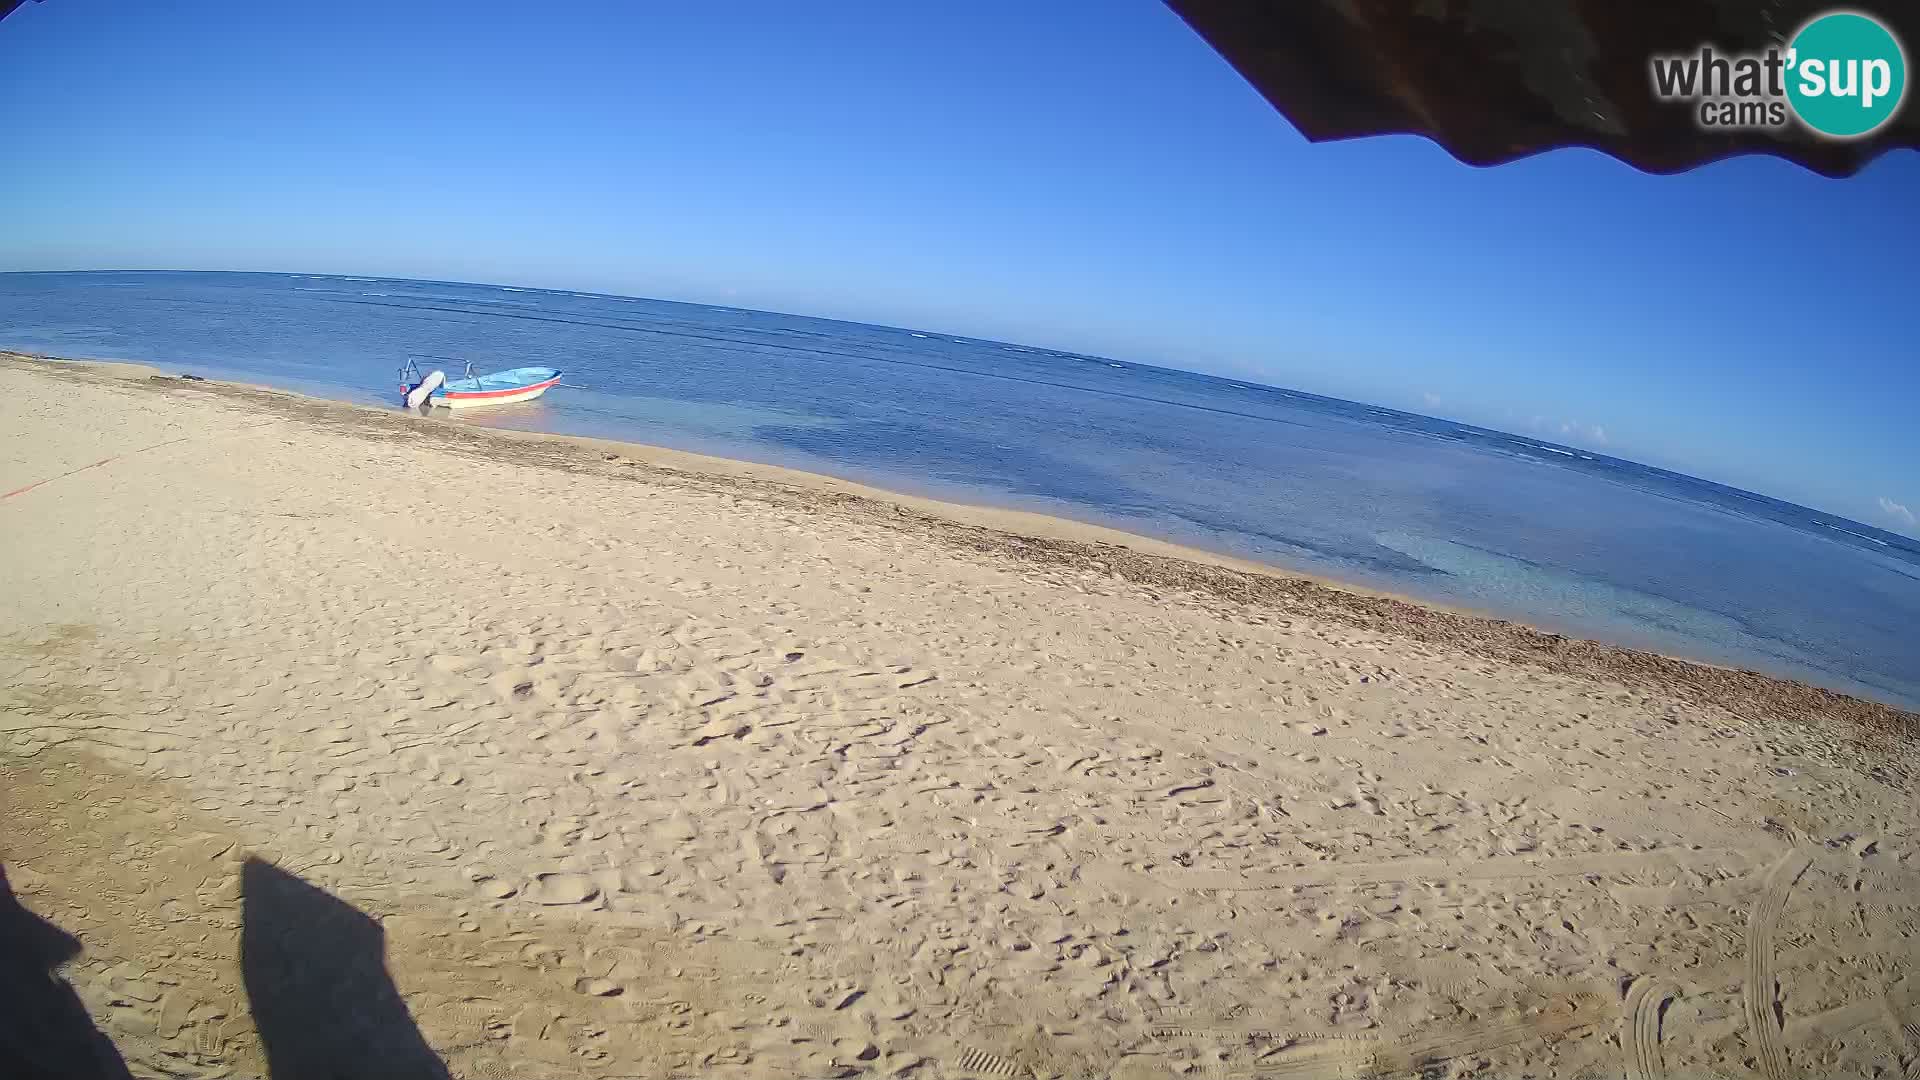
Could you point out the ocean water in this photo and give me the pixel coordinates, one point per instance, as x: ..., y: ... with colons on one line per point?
x: 1564, y: 539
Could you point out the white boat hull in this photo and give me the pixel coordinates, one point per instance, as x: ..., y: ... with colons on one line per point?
x: 453, y: 400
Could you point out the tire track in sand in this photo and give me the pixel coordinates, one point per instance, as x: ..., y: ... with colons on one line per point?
x: 1640, y: 1028
x: 1907, y: 1032
x: 1421, y: 1051
x: 983, y: 1063
x: 1762, y: 989
x: 1412, y: 870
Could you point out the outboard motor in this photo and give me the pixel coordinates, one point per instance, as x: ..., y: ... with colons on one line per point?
x: 420, y: 393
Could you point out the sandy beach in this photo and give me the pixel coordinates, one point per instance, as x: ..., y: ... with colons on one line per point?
x: 341, y: 741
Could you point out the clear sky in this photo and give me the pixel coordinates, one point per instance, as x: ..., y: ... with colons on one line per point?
x: 1087, y: 176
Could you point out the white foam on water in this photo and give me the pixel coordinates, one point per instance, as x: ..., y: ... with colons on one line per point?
x: 1850, y: 532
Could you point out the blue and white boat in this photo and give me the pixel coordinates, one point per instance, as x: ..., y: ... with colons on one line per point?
x: 499, y: 388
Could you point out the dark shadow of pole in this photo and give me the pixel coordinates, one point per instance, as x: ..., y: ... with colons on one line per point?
x: 316, y: 975
x: 45, y: 1032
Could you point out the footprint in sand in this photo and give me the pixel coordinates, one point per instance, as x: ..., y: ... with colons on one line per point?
x: 496, y: 889
x: 634, y: 877
x: 560, y: 889
x: 987, y: 1063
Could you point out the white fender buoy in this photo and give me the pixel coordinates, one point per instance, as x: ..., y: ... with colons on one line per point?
x: 427, y: 386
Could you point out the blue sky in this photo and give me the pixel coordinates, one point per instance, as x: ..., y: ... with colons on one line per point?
x: 1087, y: 176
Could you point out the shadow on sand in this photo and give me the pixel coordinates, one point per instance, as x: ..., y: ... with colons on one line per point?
x: 316, y: 980
x: 316, y: 974
x: 45, y: 1032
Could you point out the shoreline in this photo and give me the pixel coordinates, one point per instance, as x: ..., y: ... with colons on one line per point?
x: 1252, y: 589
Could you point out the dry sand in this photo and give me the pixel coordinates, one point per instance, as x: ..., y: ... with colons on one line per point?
x: 342, y: 742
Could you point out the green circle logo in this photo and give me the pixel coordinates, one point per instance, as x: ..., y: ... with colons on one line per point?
x: 1846, y: 74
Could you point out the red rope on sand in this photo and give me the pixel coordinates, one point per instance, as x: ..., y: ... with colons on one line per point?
x: 84, y: 468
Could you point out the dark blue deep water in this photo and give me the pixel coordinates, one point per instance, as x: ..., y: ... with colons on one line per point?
x: 1568, y: 540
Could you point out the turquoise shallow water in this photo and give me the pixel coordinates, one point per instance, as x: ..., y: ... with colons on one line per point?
x: 1562, y: 538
